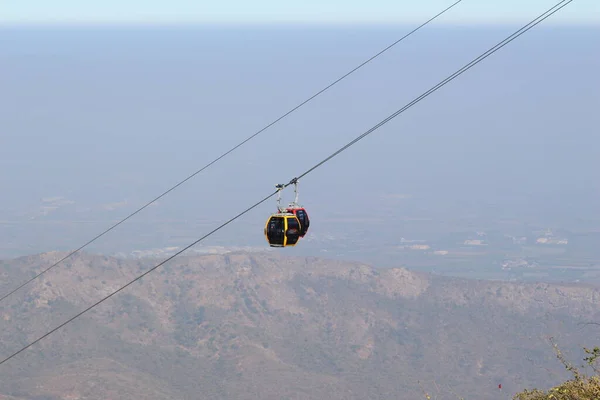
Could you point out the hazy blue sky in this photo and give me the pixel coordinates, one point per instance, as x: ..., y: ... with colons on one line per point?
x: 263, y: 11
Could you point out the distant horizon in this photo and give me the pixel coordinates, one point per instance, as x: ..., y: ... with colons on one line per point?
x: 309, y: 12
x: 283, y: 25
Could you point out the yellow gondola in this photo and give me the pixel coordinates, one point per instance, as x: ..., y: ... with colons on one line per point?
x: 282, y: 230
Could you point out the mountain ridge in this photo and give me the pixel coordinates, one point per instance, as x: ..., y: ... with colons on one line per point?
x: 269, y: 325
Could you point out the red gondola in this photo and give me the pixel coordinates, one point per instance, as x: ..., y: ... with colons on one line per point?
x: 302, y: 216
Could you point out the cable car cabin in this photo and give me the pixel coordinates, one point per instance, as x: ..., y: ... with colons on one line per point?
x: 302, y: 216
x: 282, y: 230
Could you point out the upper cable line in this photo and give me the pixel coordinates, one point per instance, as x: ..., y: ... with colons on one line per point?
x: 232, y: 149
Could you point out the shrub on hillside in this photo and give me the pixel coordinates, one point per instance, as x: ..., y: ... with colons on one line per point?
x: 581, y: 387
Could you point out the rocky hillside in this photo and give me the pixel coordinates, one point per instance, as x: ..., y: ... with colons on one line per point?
x: 265, y: 326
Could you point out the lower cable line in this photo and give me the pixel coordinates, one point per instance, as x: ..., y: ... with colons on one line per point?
x: 139, y: 277
x: 492, y: 50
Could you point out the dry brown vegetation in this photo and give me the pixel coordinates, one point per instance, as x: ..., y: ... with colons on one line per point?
x: 580, y: 387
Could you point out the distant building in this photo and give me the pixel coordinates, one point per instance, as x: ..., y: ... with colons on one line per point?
x: 402, y: 240
x: 519, y: 263
x: 475, y: 242
x: 419, y: 247
x: 546, y: 240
